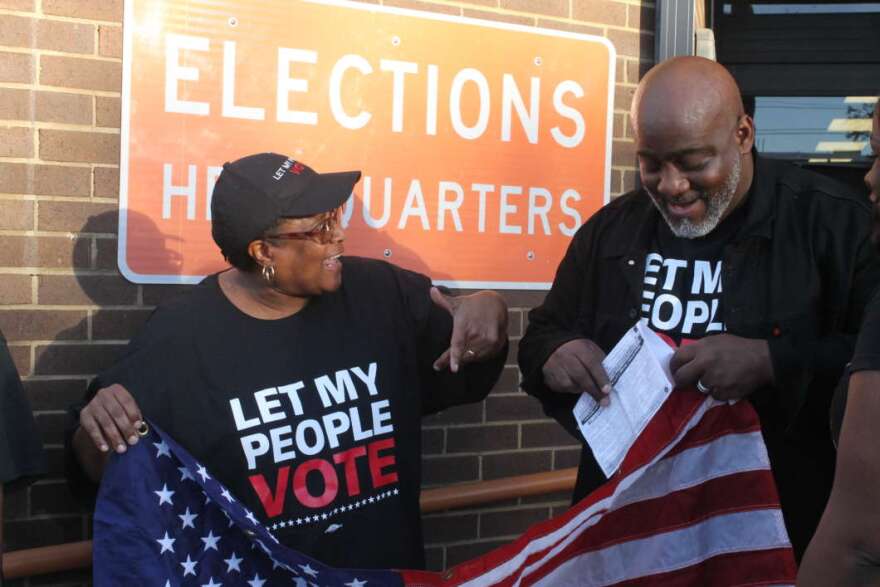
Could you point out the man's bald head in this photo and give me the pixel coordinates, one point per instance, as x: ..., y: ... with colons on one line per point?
x: 687, y: 93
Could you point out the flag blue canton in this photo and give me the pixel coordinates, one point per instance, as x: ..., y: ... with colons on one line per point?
x: 161, y: 519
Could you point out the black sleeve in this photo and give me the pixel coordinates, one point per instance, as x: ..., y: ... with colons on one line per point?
x: 21, y: 451
x: 140, y: 371
x: 443, y: 389
x: 552, y: 324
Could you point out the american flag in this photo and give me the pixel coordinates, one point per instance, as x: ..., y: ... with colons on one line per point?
x: 694, y: 503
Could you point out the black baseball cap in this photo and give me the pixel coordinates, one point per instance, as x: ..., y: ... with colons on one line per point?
x: 254, y: 192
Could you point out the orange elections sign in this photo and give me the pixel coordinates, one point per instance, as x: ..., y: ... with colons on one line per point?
x: 483, y: 145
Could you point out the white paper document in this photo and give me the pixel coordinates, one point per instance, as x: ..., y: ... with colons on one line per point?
x: 638, y: 367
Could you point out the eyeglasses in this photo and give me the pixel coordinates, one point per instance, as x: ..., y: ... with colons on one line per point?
x: 322, y: 233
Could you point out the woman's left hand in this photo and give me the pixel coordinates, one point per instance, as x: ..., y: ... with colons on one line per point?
x: 479, y: 327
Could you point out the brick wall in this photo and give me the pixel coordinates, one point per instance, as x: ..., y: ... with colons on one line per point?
x: 67, y: 312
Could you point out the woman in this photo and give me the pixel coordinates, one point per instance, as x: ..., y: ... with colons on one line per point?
x: 846, y: 548
x: 297, y: 366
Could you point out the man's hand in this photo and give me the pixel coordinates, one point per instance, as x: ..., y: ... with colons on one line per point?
x: 576, y: 367
x: 726, y: 366
x: 111, y: 418
x: 479, y: 327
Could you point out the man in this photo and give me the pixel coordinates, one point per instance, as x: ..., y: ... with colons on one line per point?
x: 758, y: 271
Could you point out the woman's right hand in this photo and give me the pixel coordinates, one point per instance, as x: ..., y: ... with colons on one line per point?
x: 112, y: 418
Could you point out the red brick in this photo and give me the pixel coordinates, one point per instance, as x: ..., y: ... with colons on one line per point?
x: 442, y: 470
x: 510, y: 18
x: 69, y: 37
x: 75, y: 359
x: 630, y: 180
x: 19, y: 325
x: 106, y: 182
x: 21, y: 357
x: 42, y: 532
x: 432, y: 441
x: 110, y: 10
x: 523, y: 299
x: 546, y: 7
x: 50, y: 426
x: 16, y: 104
x: 464, y: 414
x: 73, y: 217
x: 107, y: 253
x: 54, y: 394
x: 15, y: 502
x: 16, y: 67
x: 63, y: 108
x: 16, y: 141
x: 511, y: 522
x: 119, y: 324
x: 566, y: 458
x: 155, y: 295
x: 14, y: 178
x: 426, y: 6
x: 635, y: 70
x: 623, y: 153
x: 61, y: 180
x: 600, y: 11
x: 518, y: 463
x: 16, y: 31
x: 17, y: 215
x: 107, y: 111
x: 80, y: 72
x: 21, y: 5
x: 449, y: 527
x: 489, y: 3
x: 620, y: 71
x: 110, y: 41
x: 41, y: 251
x: 515, y: 323
x: 620, y: 125
x: 571, y: 27
x: 510, y: 408
x: 549, y: 434
x: 16, y: 289
x: 481, y: 438
x: 632, y: 44
x: 86, y: 147
x: 508, y: 382
x: 86, y: 290
x: 623, y: 96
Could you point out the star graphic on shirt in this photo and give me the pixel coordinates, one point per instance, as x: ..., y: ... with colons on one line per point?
x: 395, y: 492
x: 323, y: 516
x: 187, y: 519
x: 166, y: 543
x: 299, y: 521
x: 185, y: 474
x: 163, y: 449
x: 225, y: 493
x: 189, y: 566
x: 256, y: 581
x: 210, y: 541
x: 164, y: 495
x: 203, y: 473
x: 356, y: 583
x: 371, y: 500
x: 211, y: 583
x: 232, y: 563
x: 308, y: 570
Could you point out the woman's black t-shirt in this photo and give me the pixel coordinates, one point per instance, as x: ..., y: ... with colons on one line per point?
x: 312, y: 421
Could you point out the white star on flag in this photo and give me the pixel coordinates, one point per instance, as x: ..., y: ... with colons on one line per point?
x: 356, y: 583
x: 210, y: 541
x: 211, y: 583
x: 185, y: 474
x: 189, y: 566
x: 225, y: 493
x: 187, y: 519
x: 163, y: 449
x: 203, y: 473
x: 256, y: 581
x: 233, y: 563
x: 308, y: 570
x: 164, y: 495
x: 166, y: 542
x: 250, y: 516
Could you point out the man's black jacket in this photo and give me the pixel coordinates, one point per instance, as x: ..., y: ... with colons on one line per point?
x: 798, y: 273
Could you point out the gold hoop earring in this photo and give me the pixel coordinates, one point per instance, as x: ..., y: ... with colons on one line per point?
x: 269, y: 274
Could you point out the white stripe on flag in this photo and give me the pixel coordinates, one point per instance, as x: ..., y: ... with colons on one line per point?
x: 674, y: 550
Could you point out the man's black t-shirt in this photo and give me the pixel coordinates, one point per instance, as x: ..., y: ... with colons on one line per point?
x: 21, y: 452
x: 681, y: 295
x: 312, y: 421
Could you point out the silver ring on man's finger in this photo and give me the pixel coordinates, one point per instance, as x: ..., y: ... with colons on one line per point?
x: 470, y: 354
x: 703, y: 388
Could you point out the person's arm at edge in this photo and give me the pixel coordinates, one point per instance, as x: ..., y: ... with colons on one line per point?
x: 845, y: 550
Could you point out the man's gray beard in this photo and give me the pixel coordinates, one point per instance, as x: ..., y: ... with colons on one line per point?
x: 716, y: 203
